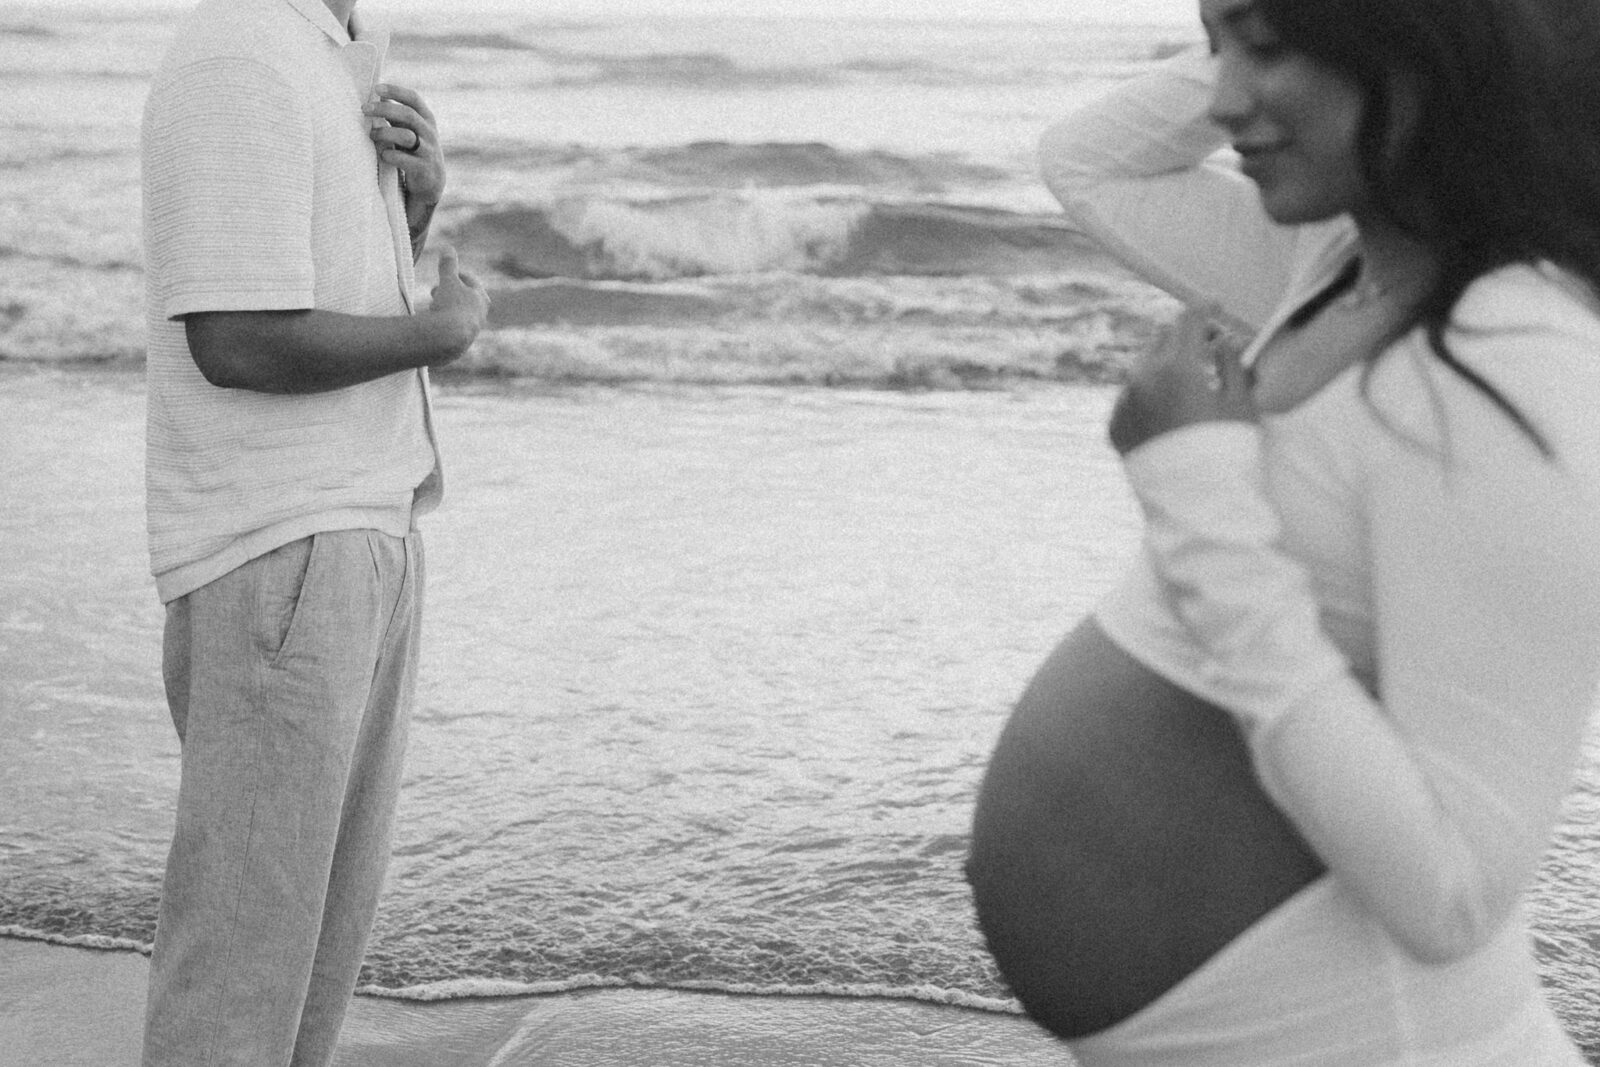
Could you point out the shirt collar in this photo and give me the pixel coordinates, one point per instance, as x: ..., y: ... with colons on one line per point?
x: 364, y: 29
x: 363, y: 56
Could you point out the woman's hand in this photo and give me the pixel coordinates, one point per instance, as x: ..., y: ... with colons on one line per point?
x: 1192, y: 374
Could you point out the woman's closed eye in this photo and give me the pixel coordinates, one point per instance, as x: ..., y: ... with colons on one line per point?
x: 1245, y: 27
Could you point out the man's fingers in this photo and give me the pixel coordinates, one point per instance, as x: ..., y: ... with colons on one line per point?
x: 409, y: 97
x: 393, y: 111
x: 398, y: 138
x: 381, y: 113
x: 399, y: 127
x: 449, y: 263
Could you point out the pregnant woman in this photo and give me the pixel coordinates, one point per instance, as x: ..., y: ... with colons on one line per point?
x: 1280, y: 799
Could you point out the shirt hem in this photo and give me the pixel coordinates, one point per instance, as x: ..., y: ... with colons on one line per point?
x: 182, y: 580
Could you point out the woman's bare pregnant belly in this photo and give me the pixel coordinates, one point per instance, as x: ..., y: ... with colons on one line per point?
x: 1120, y: 839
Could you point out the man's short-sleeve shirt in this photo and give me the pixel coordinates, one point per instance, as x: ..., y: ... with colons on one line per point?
x: 264, y: 192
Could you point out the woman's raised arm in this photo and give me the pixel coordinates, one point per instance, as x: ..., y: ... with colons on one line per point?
x: 1136, y: 169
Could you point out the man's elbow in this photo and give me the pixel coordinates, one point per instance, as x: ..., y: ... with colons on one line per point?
x: 221, y: 346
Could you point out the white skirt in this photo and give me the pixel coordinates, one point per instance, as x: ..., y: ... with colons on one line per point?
x: 1317, y: 982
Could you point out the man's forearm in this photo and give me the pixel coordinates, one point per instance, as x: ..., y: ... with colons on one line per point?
x: 314, y: 351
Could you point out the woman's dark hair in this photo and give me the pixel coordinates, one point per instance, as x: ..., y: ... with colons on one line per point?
x: 1500, y: 161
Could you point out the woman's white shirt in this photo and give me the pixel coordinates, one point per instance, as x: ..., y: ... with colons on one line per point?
x: 1390, y: 586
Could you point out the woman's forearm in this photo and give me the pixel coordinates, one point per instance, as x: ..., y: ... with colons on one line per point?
x: 1432, y: 797
x: 1134, y: 169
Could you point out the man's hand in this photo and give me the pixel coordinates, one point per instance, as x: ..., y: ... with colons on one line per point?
x: 407, y: 136
x: 1193, y: 374
x: 460, y: 295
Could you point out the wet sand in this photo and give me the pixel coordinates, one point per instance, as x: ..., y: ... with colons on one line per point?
x: 74, y: 1007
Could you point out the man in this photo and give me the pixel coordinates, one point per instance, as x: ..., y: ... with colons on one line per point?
x: 290, y: 449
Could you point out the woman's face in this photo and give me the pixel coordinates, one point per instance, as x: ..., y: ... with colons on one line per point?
x: 1293, y: 120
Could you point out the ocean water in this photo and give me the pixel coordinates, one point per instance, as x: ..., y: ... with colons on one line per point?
x: 711, y: 676
x: 779, y: 471
x: 649, y: 199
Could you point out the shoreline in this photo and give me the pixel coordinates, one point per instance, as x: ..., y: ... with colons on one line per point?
x: 71, y: 1006
x: 912, y: 375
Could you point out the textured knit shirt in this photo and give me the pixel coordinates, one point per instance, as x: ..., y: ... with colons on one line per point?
x: 264, y: 192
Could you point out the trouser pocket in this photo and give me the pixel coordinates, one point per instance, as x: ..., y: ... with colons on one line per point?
x: 283, y: 580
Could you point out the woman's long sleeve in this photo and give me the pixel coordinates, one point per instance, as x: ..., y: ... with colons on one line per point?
x: 1433, y: 798
x: 1149, y: 139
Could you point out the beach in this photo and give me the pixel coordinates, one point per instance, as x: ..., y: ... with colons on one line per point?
x: 673, y: 746
x: 74, y: 1007
x: 711, y: 678
x: 781, y: 467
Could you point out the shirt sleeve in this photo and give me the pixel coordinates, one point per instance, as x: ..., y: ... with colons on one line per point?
x: 228, y: 190
x: 1433, y: 799
x: 1137, y: 169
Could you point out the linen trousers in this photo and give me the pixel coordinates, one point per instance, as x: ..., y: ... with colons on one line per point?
x: 290, y: 683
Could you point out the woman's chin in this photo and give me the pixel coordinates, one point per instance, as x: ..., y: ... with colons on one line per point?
x: 1288, y: 206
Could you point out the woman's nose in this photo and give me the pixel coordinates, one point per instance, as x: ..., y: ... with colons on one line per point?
x: 1231, y: 100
